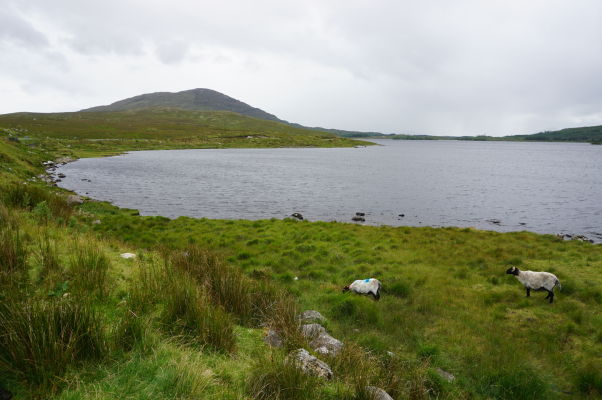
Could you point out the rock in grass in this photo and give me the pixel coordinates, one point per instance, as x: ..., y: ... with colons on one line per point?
x: 326, y: 344
x: 311, y: 331
x: 309, y: 364
x: 445, y: 375
x: 377, y: 393
x: 273, y: 339
x: 127, y: 255
x: 311, y: 315
x: 74, y: 199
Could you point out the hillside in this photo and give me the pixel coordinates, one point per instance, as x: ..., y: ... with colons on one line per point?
x: 194, y: 99
x: 592, y: 134
x: 163, y: 128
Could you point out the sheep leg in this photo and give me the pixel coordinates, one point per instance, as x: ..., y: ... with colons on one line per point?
x: 528, y: 292
x: 551, y: 296
x: 376, y: 296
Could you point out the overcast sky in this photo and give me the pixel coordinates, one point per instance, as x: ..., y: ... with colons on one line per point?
x: 435, y: 67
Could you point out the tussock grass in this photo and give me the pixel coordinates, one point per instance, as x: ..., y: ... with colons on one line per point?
x: 23, y: 195
x: 40, y: 340
x: 276, y: 378
x: 132, y: 332
x: 88, y: 268
x: 225, y: 285
x: 48, y: 255
x: 188, y: 313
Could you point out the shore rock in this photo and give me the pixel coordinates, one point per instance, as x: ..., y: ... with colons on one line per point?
x: 297, y: 216
x: 378, y: 393
x: 310, y: 364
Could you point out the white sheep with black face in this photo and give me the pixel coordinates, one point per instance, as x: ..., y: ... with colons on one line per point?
x: 537, y: 281
x: 370, y: 286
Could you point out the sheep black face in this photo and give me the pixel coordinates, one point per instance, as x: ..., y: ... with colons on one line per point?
x: 346, y: 289
x: 512, y: 271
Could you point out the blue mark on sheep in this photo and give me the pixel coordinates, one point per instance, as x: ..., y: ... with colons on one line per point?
x: 367, y: 280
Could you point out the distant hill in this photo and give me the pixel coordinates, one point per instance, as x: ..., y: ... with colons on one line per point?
x: 194, y: 100
x: 592, y: 134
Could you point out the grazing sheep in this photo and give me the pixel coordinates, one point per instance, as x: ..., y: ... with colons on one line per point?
x: 536, y: 281
x: 366, y: 286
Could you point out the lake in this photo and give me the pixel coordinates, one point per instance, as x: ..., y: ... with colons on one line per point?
x: 502, y: 186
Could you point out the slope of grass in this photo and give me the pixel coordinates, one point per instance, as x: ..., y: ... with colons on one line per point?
x: 97, y: 133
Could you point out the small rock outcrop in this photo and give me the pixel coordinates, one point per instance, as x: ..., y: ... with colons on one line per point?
x: 311, y: 331
x: 297, y: 216
x: 311, y: 315
x: 377, y: 393
x: 326, y: 344
x: 273, y: 339
x: 320, y: 341
x: 309, y: 364
x: 357, y: 218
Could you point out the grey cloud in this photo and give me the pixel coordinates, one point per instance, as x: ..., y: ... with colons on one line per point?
x: 461, y: 67
x: 15, y: 29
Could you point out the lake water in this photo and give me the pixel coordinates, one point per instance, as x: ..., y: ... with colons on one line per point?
x: 540, y: 187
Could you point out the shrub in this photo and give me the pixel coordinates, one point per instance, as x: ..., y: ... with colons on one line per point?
x: 276, y: 378
x: 40, y: 340
x: 89, y: 268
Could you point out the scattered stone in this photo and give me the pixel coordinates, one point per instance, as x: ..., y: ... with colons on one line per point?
x: 326, y: 344
x: 310, y: 364
x: 360, y: 214
x: 297, y: 216
x: 358, y: 219
x: 273, y: 339
x: 401, y: 215
x: 96, y: 222
x: 522, y: 223
x: 61, y: 175
x: 494, y: 221
x: 127, y: 255
x: 74, y: 199
x: 445, y: 375
x: 311, y: 315
x: 377, y: 393
x: 312, y: 331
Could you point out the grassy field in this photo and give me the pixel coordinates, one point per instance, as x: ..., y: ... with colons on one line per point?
x: 186, y: 318
x: 87, y: 134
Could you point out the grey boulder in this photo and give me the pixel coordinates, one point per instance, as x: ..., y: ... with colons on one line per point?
x: 309, y: 364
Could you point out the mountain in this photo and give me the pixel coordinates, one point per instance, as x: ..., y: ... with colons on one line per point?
x: 194, y: 100
x: 210, y: 100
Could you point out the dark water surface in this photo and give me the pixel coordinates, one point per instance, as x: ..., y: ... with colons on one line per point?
x: 540, y: 187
